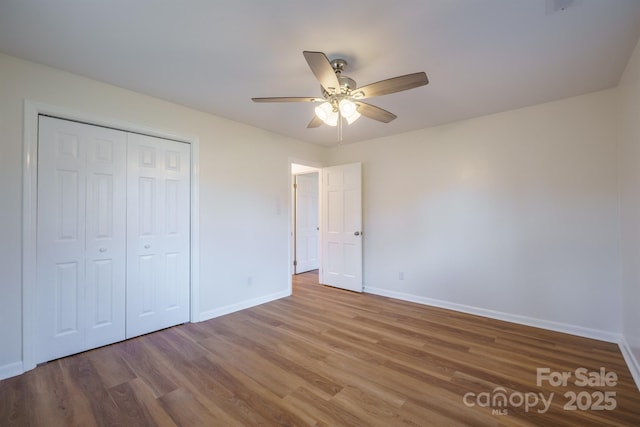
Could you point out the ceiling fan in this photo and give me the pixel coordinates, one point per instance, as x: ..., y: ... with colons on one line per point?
x: 341, y: 98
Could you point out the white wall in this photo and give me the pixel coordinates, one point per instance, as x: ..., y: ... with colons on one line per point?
x: 244, y: 190
x: 513, y: 215
x: 630, y: 209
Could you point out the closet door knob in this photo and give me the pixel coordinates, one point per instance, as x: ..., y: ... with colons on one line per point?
x: 102, y: 249
x: 147, y: 246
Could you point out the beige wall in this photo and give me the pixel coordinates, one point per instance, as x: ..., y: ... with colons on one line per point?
x: 512, y: 215
x: 244, y: 189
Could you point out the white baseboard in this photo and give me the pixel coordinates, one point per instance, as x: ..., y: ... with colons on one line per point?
x: 206, y: 315
x: 632, y: 363
x: 507, y: 317
x: 11, y: 370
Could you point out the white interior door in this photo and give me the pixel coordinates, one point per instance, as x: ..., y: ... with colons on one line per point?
x: 306, y: 222
x: 81, y: 241
x: 342, y: 227
x: 158, y: 213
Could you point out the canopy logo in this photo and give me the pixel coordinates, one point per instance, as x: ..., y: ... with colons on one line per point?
x: 500, y: 400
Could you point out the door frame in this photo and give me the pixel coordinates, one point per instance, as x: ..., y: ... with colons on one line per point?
x: 32, y: 110
x: 314, y: 165
x: 294, y: 207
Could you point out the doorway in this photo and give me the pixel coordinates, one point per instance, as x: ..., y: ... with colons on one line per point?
x: 305, y: 240
x: 338, y: 225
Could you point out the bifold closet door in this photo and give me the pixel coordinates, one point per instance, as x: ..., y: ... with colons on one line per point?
x: 158, y: 236
x: 81, y: 237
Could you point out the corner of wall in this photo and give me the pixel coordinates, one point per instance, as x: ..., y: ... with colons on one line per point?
x: 632, y: 363
x: 628, y: 137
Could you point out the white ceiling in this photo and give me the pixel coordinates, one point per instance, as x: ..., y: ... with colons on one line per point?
x: 481, y: 56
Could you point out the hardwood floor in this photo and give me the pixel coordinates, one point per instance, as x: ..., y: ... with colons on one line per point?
x: 329, y: 357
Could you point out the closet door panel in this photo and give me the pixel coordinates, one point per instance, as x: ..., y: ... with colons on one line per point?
x: 176, y: 228
x: 80, y: 237
x: 158, y: 238
x: 106, y: 237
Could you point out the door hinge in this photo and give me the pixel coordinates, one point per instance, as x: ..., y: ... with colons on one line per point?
x: 295, y: 263
x: 295, y: 185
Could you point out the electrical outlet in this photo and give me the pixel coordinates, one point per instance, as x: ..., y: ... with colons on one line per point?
x: 401, y: 275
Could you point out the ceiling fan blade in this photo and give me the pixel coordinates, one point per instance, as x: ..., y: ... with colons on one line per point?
x: 395, y: 84
x: 315, y: 122
x: 375, y: 113
x: 287, y: 99
x: 322, y: 69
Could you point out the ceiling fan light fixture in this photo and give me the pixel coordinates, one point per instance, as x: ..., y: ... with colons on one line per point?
x: 326, y: 113
x: 347, y: 108
x: 353, y: 117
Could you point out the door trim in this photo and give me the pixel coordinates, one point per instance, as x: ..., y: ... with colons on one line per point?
x: 315, y: 165
x: 32, y: 110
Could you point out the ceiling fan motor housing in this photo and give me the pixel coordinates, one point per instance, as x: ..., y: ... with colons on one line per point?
x: 347, y: 84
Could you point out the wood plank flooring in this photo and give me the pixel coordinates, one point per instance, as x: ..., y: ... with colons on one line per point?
x: 328, y: 357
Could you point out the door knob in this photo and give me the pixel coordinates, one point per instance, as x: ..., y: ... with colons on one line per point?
x: 147, y: 246
x: 102, y: 249
x: 357, y: 233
